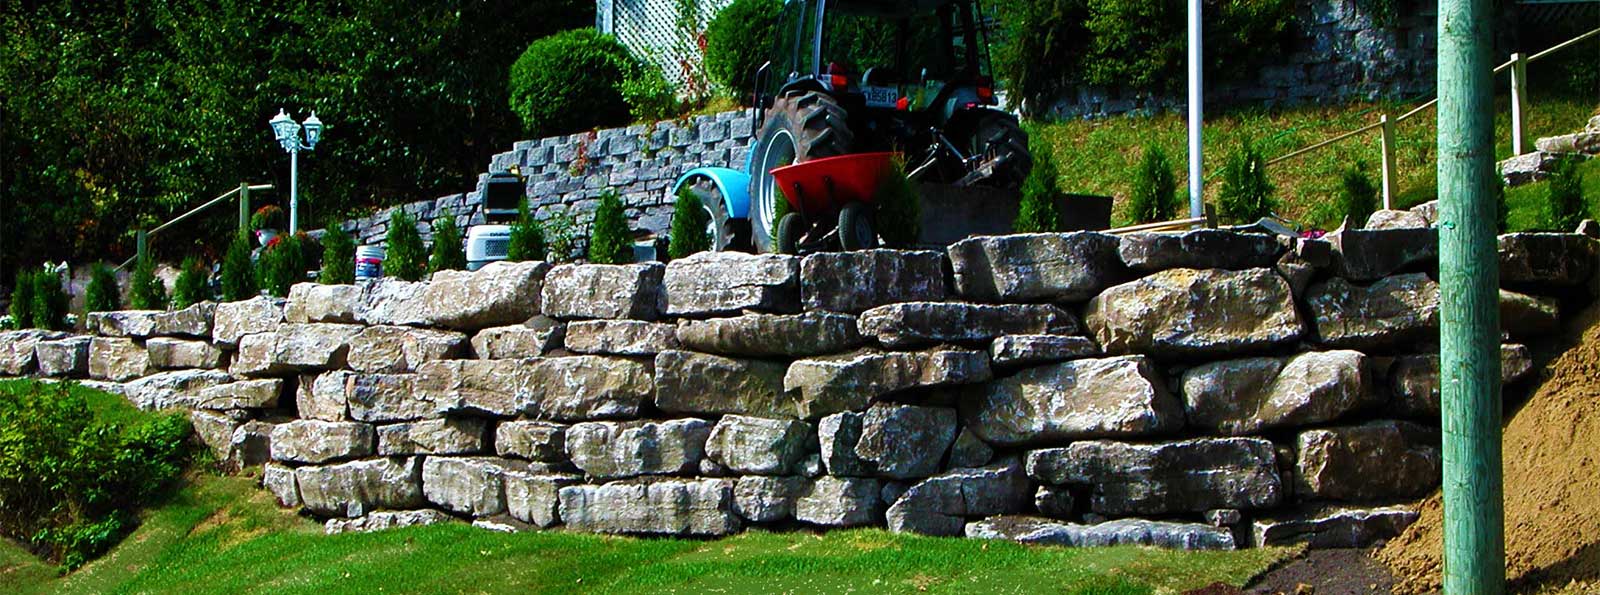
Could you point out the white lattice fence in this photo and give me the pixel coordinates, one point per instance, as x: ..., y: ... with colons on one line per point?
x: 664, y: 31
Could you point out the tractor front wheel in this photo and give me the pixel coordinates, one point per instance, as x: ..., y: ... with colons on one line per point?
x: 725, y: 233
x: 855, y: 228
x: 788, y: 239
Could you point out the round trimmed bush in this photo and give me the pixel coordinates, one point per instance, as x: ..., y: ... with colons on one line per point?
x: 737, y: 42
x: 571, y: 81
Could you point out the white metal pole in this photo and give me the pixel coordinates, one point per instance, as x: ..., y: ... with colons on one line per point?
x: 1196, y: 193
x: 294, y: 190
x: 1519, y: 103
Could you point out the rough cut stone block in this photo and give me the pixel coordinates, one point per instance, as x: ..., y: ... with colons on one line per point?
x: 1038, y: 531
x: 1245, y: 396
x: 313, y: 302
x: 700, y: 384
x: 613, y: 450
x: 769, y: 335
x: 1198, y: 249
x: 386, y: 398
x: 1021, y: 351
x: 323, y: 396
x: 17, y: 349
x: 1185, y: 476
x: 1371, y: 254
x: 451, y: 436
x: 768, y: 499
x: 852, y: 282
x: 251, y: 443
x: 1387, y: 219
x: 620, y: 337
x: 384, y: 520
x: 537, y: 441
x: 168, y: 389
x: 61, y: 358
x: 234, y: 320
x: 1064, y: 267
x: 760, y: 446
x: 535, y: 499
x: 715, y: 283
x: 1394, y: 311
x: 900, y: 441
x: 498, y: 294
x: 1333, y: 527
x: 1558, y: 259
x: 194, y: 321
x: 117, y: 360
x: 840, y: 502
x: 472, y: 486
x: 538, y: 336
x: 603, y: 291
x: 1086, y: 398
x: 968, y: 451
x: 215, y: 430
x: 679, y: 507
x: 562, y: 388
x: 1528, y: 316
x: 313, y: 441
x: 294, y: 348
x: 279, y: 480
x: 1054, y: 501
x: 244, y: 394
x: 919, y: 324
x: 1375, y: 461
x: 171, y: 354
x: 397, y: 349
x: 390, y: 301
x: 1414, y: 380
x: 850, y: 382
x: 1195, y: 313
x: 939, y: 505
x: 353, y: 489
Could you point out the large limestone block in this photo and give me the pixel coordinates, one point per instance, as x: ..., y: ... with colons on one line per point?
x: 449, y: 436
x: 1198, y: 249
x: 118, y: 360
x: 60, y: 358
x: 1524, y: 315
x: 1049, y: 267
x: 1376, y: 461
x: 398, y: 349
x: 920, y: 324
x: 631, y: 291
x: 613, y: 450
x: 1039, y: 531
x: 1087, y: 398
x: 279, y: 480
x: 390, y: 301
x: 215, y: 430
x: 538, y: 336
x: 314, y: 302
x: 244, y: 394
x: 968, y: 451
x: 1168, y: 477
x: 234, y: 320
x: 498, y: 294
x: 760, y: 446
x: 473, y: 486
x: 939, y: 505
x: 1414, y: 380
x: 17, y: 349
x: 768, y: 499
x: 563, y: 388
x: 538, y: 441
x: 314, y: 441
x: 1394, y: 311
x: 294, y: 348
x: 680, y: 507
x: 355, y: 488
x: 852, y: 282
x: 769, y: 335
x: 620, y: 337
x: 1333, y: 526
x: 850, y: 382
x: 536, y: 498
x: 384, y: 520
x: 841, y: 502
x: 1370, y: 254
x: 323, y: 396
x: 193, y: 321
x: 717, y: 283
x: 1246, y: 396
x: 701, y: 384
x: 168, y: 389
x: 1587, y: 142
x: 386, y: 398
x: 251, y: 443
x: 1021, y: 351
x: 890, y: 441
x: 1388, y: 219
x: 172, y: 354
x: 1195, y: 313
x: 1552, y: 259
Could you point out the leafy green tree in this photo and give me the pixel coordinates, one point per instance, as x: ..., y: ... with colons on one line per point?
x: 21, y: 309
x: 1358, y: 197
x: 898, y: 215
x: 738, y: 41
x: 146, y: 291
x: 338, y: 256
x: 572, y: 81
x: 1154, y: 196
x: 1038, y: 213
x: 193, y: 284
x: 689, y: 221
x: 102, y: 294
x: 404, y: 257
x: 1564, y: 206
x: 49, y: 307
x: 1246, y: 194
x: 527, y: 237
x: 448, y: 253
x: 238, y: 274
x: 609, y: 239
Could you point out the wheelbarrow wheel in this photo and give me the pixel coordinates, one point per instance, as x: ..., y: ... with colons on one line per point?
x: 788, y: 239
x: 855, y: 228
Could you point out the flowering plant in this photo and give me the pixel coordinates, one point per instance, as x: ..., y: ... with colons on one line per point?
x: 267, y: 217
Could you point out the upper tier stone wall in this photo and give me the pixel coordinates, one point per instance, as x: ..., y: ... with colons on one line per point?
x: 1209, y: 389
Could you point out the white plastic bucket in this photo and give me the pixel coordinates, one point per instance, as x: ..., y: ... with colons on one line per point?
x: 369, y: 262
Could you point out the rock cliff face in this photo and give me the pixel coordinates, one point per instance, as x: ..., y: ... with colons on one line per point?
x: 1080, y: 389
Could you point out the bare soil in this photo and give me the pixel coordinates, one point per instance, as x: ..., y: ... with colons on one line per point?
x: 1327, y: 572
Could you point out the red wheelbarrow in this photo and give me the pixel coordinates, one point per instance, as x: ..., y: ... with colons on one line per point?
x: 830, y: 200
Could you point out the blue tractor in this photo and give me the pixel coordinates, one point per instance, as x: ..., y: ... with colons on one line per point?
x: 859, y: 76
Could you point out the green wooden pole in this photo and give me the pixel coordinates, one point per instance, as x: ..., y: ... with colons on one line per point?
x: 1469, y: 315
x: 141, y: 246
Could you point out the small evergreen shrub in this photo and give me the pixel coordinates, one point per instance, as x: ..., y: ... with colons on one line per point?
x: 1358, y: 197
x: 1154, y: 195
x: 21, y: 310
x: 561, y: 235
x: 192, y: 286
x: 737, y: 43
x: 780, y: 207
x: 898, y: 214
x: 238, y: 274
x: 102, y: 294
x: 1246, y: 194
x: 282, y: 264
x: 571, y: 81
x: 448, y: 252
x: 403, y: 253
x: 338, y: 256
x: 689, y: 221
x: 49, y: 309
x: 1502, y: 209
x: 70, y: 483
x: 527, y: 237
x: 146, y: 291
x: 1037, y: 213
x: 1564, y: 204
x: 610, y: 242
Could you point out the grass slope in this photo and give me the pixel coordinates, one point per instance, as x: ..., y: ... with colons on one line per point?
x: 1098, y: 156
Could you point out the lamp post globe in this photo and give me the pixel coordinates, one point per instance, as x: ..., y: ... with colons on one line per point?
x: 287, y: 132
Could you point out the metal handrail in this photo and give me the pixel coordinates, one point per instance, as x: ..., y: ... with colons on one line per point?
x: 243, y: 191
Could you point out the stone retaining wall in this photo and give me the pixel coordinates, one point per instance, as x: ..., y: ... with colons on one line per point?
x: 1210, y: 389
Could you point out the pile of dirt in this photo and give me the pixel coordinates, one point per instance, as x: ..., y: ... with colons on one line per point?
x: 1552, y: 483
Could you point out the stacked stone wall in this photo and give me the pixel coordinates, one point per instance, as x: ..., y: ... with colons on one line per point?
x: 1210, y: 389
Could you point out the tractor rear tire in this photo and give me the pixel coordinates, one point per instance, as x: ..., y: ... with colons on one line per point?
x: 997, y: 134
x: 801, y: 126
